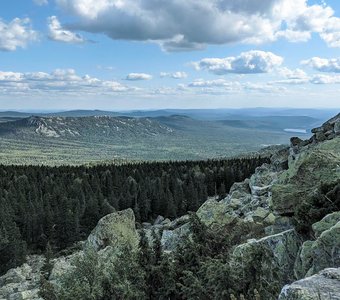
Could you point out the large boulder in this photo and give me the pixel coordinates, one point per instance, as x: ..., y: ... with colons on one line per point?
x: 22, y: 282
x: 172, y: 238
x: 63, y: 265
x: 262, y: 180
x: 265, y: 264
x: 322, y: 253
x: 111, y: 233
x: 113, y: 230
x: 323, y: 286
x: 319, y: 164
x: 326, y: 223
x: 214, y: 212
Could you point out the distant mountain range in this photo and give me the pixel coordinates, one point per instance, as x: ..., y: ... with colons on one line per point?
x: 202, y: 114
x: 84, y: 136
x: 84, y: 127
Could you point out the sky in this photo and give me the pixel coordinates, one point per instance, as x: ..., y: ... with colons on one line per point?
x: 151, y: 54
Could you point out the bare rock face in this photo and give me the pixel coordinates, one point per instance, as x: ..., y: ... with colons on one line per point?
x: 267, y: 260
x: 114, y: 229
x: 306, y: 171
x: 328, y: 130
x: 324, y: 251
x: 22, y: 282
x: 323, y: 286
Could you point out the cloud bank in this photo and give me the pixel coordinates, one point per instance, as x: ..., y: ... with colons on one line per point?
x: 60, y: 81
x: 191, y: 25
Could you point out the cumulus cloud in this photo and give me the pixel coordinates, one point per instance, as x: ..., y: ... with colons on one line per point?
x: 59, y: 81
x: 138, y: 76
x: 201, y: 83
x: 299, y: 76
x: 293, y: 74
x: 331, y: 32
x: 174, y: 75
x: 296, y: 76
x: 59, y: 34
x: 40, y: 2
x: 251, y: 62
x: 323, y: 64
x: 191, y: 24
x: 16, y: 34
x: 325, y: 79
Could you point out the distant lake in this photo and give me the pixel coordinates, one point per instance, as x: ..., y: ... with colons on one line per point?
x: 295, y: 130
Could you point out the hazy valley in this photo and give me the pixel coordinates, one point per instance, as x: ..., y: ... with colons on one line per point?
x: 94, y: 136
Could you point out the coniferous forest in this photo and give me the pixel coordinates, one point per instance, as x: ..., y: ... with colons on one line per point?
x: 57, y: 206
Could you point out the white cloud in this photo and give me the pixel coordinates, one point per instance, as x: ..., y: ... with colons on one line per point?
x: 16, y: 34
x: 174, y: 75
x: 294, y: 36
x: 293, y: 74
x: 10, y: 76
x: 40, y: 2
x: 201, y: 83
x: 191, y: 24
x: 59, y: 34
x: 138, y: 76
x: 323, y: 64
x: 60, y: 81
x: 298, y: 76
x: 325, y: 79
x: 251, y: 62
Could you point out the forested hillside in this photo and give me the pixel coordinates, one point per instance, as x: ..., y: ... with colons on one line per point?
x: 74, y: 140
x: 61, y: 205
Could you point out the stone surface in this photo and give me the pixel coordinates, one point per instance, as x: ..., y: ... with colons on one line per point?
x: 311, y: 166
x: 215, y: 212
x: 63, y: 264
x: 260, y: 214
x: 158, y: 220
x: 114, y: 229
x: 324, y: 252
x: 171, y: 238
x: 326, y: 223
x: 22, y: 282
x: 323, y: 286
x: 267, y: 258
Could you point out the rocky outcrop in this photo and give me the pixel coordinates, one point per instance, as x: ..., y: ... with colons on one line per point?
x: 247, y: 202
x: 269, y: 199
x: 270, y: 259
x: 324, y: 251
x: 312, y: 166
x: 172, y: 238
x: 328, y: 130
x: 113, y: 230
x: 170, y: 232
x: 323, y: 286
x: 22, y: 282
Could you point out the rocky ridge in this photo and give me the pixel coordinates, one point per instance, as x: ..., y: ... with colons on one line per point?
x: 82, y: 127
x: 267, y: 201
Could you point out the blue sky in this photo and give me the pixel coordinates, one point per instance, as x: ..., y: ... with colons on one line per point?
x: 128, y: 54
